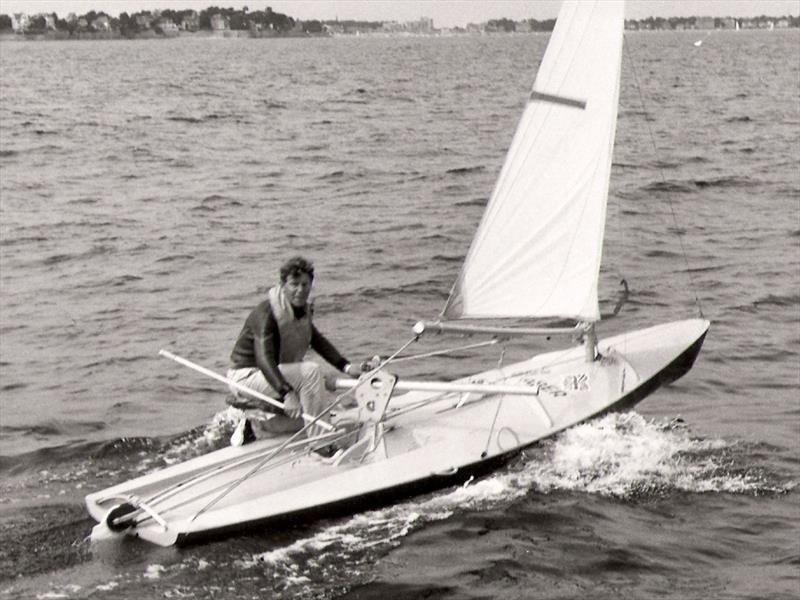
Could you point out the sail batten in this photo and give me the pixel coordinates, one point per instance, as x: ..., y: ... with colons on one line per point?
x: 542, y: 97
x: 537, y: 250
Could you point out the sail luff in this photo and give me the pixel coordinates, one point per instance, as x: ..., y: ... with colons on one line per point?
x: 537, y: 250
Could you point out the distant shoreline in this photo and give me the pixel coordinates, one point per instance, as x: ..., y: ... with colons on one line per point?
x: 63, y: 36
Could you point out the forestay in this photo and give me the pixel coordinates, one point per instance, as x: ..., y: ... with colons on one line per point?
x: 537, y: 250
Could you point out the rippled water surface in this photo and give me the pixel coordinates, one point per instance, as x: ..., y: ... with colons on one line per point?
x: 150, y: 190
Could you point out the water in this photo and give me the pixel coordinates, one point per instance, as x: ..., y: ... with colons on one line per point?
x: 150, y: 190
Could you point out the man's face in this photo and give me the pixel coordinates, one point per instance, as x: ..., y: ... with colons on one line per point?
x: 298, y: 287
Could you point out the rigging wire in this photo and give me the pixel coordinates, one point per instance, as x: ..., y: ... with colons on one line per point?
x: 446, y: 351
x: 362, y: 380
x: 664, y: 181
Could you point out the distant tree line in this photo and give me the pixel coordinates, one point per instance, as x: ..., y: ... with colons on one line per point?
x: 130, y: 25
x: 134, y: 23
x: 526, y: 25
x: 719, y: 22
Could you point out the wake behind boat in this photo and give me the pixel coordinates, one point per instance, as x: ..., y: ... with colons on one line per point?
x: 536, y: 255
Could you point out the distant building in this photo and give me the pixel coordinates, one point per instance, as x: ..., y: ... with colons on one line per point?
x: 219, y: 22
x: 143, y: 21
x: 392, y: 27
x: 101, y: 23
x: 19, y: 22
x: 782, y: 23
x: 728, y: 23
x: 191, y: 22
x: 333, y: 28
x: 524, y: 26
x: 168, y: 26
x: 424, y: 25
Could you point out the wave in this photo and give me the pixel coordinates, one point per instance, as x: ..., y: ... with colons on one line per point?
x: 622, y: 456
x: 8, y: 387
x: 473, y: 202
x: 116, y: 360
x: 661, y: 254
x: 778, y: 300
x: 28, y: 239
x: 373, y: 230
x: 627, y: 456
x: 347, y: 101
x: 237, y: 118
x: 56, y: 259
x: 668, y: 186
x: 174, y: 257
x: 210, y: 203
x: 51, y: 456
x: 333, y: 175
x: 195, y: 442
x: 465, y: 170
x: 691, y: 186
x: 726, y: 182
x: 423, y: 289
x: 128, y: 455
x: 181, y: 119
x: 447, y: 259
x: 123, y: 280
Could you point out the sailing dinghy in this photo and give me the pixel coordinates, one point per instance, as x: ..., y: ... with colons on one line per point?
x: 536, y: 254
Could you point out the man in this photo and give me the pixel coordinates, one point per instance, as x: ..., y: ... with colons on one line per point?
x: 269, y: 353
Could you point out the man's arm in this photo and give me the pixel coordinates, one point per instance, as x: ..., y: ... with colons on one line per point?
x: 266, y: 341
x: 326, y: 350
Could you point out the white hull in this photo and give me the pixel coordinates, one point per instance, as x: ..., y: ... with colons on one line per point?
x: 432, y: 440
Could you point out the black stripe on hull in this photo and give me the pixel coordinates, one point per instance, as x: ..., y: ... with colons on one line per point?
x: 672, y: 372
x: 379, y: 498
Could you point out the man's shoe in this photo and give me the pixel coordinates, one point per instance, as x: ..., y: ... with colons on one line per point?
x: 243, y: 434
x: 326, y: 451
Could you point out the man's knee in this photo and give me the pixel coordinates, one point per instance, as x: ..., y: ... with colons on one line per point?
x: 311, y: 372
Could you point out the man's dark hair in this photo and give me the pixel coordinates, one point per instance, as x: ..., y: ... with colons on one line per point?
x: 296, y: 266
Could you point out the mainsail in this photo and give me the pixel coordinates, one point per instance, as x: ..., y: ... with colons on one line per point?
x: 537, y: 250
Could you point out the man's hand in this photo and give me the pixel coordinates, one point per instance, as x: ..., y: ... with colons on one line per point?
x: 291, y: 405
x: 365, y: 367
x: 353, y: 370
x: 371, y: 364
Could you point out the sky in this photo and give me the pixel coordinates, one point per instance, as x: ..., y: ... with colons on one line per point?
x: 445, y: 13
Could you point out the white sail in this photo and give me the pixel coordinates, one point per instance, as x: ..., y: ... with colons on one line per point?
x: 537, y: 250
